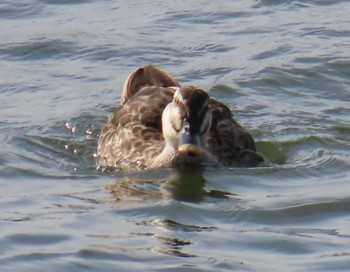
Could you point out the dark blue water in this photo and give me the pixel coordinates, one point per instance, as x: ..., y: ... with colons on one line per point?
x: 283, y: 67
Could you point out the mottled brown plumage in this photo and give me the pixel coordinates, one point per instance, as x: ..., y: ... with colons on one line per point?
x: 160, y: 124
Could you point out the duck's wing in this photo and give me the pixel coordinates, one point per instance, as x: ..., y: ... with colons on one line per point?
x: 133, y: 136
x: 228, y: 141
x: 148, y: 75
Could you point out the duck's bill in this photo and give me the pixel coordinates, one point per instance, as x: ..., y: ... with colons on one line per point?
x: 190, y: 149
x: 189, y: 138
x: 189, y: 142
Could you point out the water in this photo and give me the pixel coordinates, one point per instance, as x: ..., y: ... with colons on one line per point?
x: 283, y: 67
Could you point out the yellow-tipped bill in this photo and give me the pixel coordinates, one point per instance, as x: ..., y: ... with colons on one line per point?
x: 190, y: 149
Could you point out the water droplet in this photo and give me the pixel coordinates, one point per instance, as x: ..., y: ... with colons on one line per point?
x: 89, y: 131
x: 70, y: 127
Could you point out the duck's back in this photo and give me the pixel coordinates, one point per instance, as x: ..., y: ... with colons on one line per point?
x: 228, y: 141
x: 133, y: 135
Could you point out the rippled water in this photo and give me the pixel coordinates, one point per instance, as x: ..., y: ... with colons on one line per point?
x: 283, y: 67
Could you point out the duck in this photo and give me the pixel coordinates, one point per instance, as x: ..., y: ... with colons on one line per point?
x: 161, y: 124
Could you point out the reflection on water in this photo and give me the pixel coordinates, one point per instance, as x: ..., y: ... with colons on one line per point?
x: 181, y: 184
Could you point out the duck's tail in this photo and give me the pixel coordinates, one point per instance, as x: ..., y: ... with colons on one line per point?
x: 148, y: 75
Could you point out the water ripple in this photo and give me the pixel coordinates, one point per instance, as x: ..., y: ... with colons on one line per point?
x: 37, y: 50
x: 299, y: 214
x: 11, y: 10
x: 64, y: 2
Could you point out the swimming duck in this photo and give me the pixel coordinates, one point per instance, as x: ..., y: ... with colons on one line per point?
x: 162, y: 124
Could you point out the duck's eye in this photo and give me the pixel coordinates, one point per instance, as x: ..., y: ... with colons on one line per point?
x: 187, y: 128
x: 176, y: 100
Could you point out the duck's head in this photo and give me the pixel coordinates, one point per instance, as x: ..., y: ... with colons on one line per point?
x: 186, y: 122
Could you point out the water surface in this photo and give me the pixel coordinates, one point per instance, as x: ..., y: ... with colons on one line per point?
x: 283, y: 67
